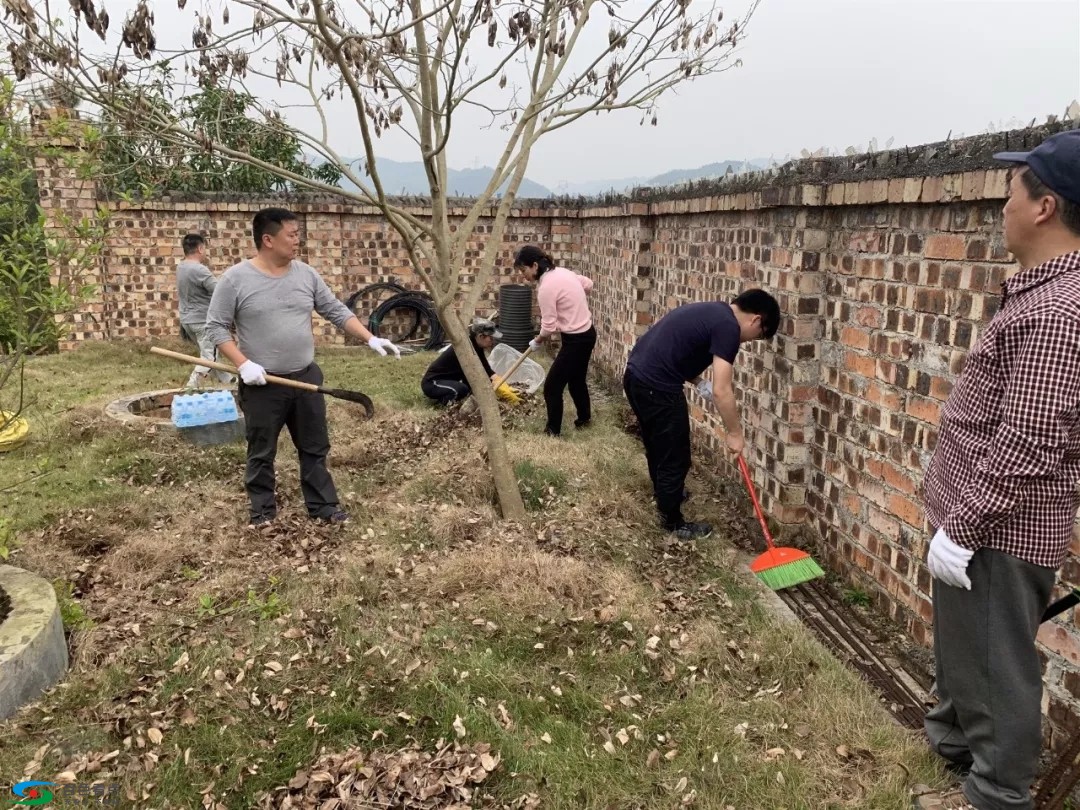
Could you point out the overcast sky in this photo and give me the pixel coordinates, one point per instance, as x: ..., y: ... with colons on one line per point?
x: 814, y: 73
x: 837, y: 73
x: 831, y: 73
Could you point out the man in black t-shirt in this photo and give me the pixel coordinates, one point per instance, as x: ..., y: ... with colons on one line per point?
x: 677, y: 350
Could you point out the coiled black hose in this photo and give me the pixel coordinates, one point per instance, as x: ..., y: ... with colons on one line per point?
x: 391, y: 286
x: 422, y: 307
x: 382, y: 286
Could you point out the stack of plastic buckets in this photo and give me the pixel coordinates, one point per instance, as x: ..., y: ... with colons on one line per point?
x: 515, y: 315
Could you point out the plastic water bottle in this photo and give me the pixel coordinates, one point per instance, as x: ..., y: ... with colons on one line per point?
x: 208, y: 408
x: 223, y: 407
x: 180, y: 411
x: 229, y: 412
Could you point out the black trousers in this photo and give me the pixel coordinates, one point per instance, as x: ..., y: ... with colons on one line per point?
x: 445, y: 391
x: 665, y: 430
x: 570, y: 370
x: 268, y: 408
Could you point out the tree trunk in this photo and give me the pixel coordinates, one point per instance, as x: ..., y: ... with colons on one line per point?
x: 502, y: 470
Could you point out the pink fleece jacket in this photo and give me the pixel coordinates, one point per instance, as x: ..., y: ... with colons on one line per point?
x: 563, y: 308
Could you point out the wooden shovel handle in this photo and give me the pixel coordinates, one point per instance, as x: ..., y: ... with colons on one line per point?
x: 199, y: 361
x: 506, y: 377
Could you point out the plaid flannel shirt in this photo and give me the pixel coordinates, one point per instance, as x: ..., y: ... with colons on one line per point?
x: 1005, y: 471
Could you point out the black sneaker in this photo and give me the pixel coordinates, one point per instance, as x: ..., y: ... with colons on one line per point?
x: 692, y: 531
x: 260, y: 522
x: 582, y: 425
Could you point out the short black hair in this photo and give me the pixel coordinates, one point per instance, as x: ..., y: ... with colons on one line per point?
x: 268, y: 222
x: 529, y: 255
x: 1067, y: 209
x: 759, y: 302
x: 192, y: 242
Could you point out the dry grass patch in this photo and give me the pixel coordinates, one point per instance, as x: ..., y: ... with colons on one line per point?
x: 456, y: 526
x: 604, y: 664
x: 451, y: 474
x: 521, y: 581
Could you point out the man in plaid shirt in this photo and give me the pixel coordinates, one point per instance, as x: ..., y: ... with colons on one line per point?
x: 1001, y: 493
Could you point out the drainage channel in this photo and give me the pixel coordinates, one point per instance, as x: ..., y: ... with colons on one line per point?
x: 821, y: 609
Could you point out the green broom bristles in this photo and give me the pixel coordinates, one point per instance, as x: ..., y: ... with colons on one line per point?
x: 792, y: 573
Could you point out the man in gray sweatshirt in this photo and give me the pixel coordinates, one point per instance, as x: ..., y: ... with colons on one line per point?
x: 268, y: 300
x: 195, y: 283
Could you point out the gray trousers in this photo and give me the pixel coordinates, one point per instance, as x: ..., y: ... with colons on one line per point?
x: 207, y: 351
x: 989, y: 680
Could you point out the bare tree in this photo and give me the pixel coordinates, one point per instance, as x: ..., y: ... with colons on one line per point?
x: 532, y: 66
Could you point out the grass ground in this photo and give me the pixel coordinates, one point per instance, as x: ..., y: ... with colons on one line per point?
x: 425, y: 650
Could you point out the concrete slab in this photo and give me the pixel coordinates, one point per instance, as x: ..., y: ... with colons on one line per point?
x: 33, y: 650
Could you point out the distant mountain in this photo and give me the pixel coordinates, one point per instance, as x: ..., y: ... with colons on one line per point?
x: 670, y: 178
x: 710, y: 170
x: 408, y: 177
x: 588, y: 188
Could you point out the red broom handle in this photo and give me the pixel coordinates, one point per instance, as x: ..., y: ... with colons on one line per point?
x: 757, y: 507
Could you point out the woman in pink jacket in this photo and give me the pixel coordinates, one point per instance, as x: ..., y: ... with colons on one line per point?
x: 564, y: 310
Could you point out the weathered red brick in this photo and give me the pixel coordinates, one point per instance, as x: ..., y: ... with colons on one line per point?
x: 946, y: 246
x: 906, y: 510
x: 855, y: 338
x: 928, y: 410
x: 1061, y: 641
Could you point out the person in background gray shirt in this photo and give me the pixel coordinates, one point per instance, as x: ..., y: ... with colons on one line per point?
x: 268, y: 301
x: 195, y: 283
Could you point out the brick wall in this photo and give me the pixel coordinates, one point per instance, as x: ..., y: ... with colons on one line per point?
x: 351, y: 246
x: 887, y: 266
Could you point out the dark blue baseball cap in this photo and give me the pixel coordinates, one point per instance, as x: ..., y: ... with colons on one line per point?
x: 1055, y: 161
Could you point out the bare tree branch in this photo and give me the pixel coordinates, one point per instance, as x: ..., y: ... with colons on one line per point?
x: 409, y: 66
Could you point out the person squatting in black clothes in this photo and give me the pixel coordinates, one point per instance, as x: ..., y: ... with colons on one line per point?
x: 444, y: 381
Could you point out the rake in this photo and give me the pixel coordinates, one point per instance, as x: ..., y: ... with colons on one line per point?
x: 338, y: 393
x: 779, y: 567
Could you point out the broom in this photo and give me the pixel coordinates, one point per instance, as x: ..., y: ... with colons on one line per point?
x: 778, y: 567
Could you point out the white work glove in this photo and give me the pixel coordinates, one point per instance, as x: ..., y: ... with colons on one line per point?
x: 380, y: 345
x: 948, y: 562
x: 252, y: 373
x: 704, y: 387
x: 534, y: 344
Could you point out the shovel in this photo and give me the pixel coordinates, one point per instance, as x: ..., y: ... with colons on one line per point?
x: 1061, y: 605
x: 339, y: 393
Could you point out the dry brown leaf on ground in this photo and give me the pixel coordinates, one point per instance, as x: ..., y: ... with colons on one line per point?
x: 410, y: 778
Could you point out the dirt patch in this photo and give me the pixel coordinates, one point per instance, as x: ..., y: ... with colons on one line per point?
x: 87, y: 532
x: 82, y: 424
x: 133, y: 570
